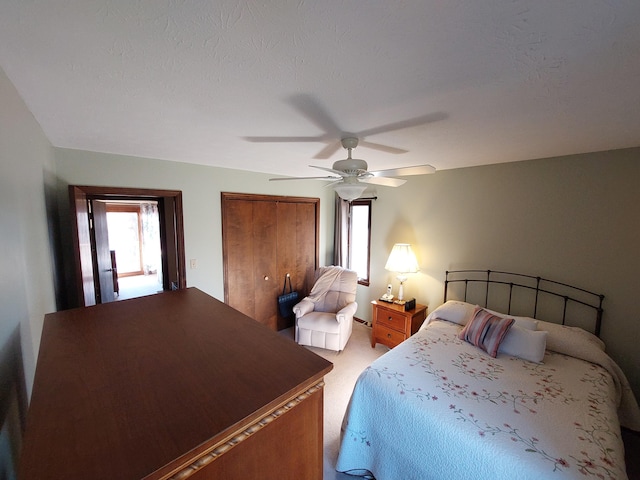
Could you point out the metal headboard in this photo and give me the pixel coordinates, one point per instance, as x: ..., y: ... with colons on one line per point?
x: 536, y: 288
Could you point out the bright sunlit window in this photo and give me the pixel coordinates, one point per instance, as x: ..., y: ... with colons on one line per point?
x: 360, y: 239
x: 124, y: 237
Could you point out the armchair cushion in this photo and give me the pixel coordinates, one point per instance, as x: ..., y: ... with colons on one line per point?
x: 320, y: 321
x: 324, y: 318
x: 347, y: 312
x: 302, y: 308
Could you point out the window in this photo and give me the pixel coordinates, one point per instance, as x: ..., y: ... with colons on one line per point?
x: 134, y: 234
x: 359, y: 236
x: 124, y: 237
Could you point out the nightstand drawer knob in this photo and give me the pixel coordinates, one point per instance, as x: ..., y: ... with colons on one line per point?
x: 388, y: 335
x: 390, y: 319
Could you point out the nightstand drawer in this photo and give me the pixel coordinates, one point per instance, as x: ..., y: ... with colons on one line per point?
x: 389, y: 337
x: 392, y: 324
x: 390, y: 319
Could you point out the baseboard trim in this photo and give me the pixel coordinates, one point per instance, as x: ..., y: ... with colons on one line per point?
x: 359, y: 320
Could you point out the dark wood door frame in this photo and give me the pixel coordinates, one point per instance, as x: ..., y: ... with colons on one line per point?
x: 171, y: 235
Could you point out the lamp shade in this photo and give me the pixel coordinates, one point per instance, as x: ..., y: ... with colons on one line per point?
x: 402, y: 259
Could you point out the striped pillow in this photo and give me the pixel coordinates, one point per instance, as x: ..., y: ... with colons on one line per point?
x: 486, y: 330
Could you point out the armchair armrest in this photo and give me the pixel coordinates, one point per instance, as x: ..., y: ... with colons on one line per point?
x: 347, y: 312
x: 302, y: 308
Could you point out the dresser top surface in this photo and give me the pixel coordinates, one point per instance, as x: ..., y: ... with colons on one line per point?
x: 125, y: 388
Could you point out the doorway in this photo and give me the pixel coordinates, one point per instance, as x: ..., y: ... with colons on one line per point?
x: 98, y: 269
x: 134, y: 243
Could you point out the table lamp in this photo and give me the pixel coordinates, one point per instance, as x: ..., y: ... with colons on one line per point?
x: 402, y: 260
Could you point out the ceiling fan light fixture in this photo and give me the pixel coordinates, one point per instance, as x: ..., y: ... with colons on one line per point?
x: 349, y: 191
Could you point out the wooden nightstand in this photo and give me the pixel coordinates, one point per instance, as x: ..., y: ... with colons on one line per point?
x: 392, y: 324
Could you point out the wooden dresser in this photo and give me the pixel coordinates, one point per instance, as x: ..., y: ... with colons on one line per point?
x: 393, y: 324
x: 172, y: 386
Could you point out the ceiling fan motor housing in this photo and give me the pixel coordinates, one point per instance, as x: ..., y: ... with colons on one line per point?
x: 351, y: 166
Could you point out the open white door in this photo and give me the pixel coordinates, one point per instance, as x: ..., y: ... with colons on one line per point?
x: 102, y: 254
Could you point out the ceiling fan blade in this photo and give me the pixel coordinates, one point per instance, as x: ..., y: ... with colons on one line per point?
x: 412, y: 122
x: 283, y: 139
x: 304, y: 178
x: 384, y: 181
x: 327, y: 151
x: 331, y: 184
x: 404, y: 171
x: 383, y: 148
x: 314, y: 112
x: 327, y: 169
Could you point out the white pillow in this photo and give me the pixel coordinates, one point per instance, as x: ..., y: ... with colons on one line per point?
x: 523, y: 322
x: 453, y: 311
x: 524, y: 343
x: 461, y: 312
x: 526, y: 323
x: 565, y: 339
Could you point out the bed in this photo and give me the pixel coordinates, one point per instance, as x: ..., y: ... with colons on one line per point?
x: 549, y: 404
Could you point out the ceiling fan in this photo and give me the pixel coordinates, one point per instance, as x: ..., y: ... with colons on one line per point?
x: 313, y: 111
x: 350, y: 176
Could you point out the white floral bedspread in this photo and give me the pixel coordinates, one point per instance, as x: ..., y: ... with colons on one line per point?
x: 436, y: 407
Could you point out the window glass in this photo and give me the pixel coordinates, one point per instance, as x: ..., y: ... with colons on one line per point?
x: 360, y: 238
x: 124, y: 238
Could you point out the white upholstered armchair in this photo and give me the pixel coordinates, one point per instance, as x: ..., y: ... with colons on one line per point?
x: 325, y: 318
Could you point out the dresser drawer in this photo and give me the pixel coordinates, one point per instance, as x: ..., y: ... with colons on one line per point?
x: 388, y: 336
x: 390, y: 319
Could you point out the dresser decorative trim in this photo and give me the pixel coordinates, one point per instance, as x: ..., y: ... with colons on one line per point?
x: 236, y: 438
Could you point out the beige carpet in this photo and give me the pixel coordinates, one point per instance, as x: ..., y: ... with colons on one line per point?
x: 339, y: 383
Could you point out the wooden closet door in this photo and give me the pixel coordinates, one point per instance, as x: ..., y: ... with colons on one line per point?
x: 264, y: 238
x: 264, y: 263
x: 250, y: 259
x: 296, y: 248
x: 297, y: 239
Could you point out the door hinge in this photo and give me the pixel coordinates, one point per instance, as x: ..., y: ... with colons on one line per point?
x: 90, y: 213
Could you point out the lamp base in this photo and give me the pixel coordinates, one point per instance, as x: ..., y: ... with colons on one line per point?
x: 401, y: 279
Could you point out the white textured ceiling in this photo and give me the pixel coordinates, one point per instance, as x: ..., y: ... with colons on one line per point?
x: 476, y: 81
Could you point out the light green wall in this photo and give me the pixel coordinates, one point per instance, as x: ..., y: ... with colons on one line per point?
x: 201, y: 187
x: 573, y: 219
x: 26, y: 283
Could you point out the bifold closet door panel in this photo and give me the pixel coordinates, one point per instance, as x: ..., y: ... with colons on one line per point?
x: 307, y: 238
x: 265, y: 260
x: 296, y: 248
x: 250, y: 259
x: 237, y: 248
